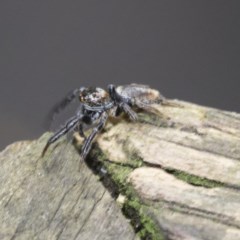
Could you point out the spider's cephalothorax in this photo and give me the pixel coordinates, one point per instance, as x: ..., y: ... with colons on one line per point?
x: 96, y: 105
x: 93, y: 96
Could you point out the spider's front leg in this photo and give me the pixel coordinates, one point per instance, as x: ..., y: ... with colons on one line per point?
x: 88, y: 141
x: 71, y: 124
x: 81, y: 132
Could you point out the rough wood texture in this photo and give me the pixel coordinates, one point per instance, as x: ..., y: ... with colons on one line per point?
x: 48, y: 198
x: 177, y: 172
x: 189, y: 180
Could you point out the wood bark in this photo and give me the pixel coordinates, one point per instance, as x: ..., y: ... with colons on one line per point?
x: 175, y: 173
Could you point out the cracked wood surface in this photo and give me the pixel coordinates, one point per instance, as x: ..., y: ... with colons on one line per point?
x: 165, y: 151
x: 195, y: 142
x: 48, y: 198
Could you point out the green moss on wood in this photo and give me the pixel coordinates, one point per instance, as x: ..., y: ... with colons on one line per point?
x: 132, y: 208
x: 145, y: 227
x: 153, y: 119
x: 194, y: 180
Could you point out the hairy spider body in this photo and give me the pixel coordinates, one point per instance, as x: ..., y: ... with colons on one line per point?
x: 96, y: 105
x: 137, y: 92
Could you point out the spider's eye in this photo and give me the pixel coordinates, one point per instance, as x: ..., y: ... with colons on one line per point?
x: 81, y: 98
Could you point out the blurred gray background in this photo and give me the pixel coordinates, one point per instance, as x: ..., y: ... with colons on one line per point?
x: 189, y: 50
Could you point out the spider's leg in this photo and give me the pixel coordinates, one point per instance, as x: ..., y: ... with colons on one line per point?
x: 68, y: 126
x: 128, y: 110
x: 115, y: 95
x: 62, y: 105
x: 81, y: 132
x: 145, y: 106
x: 88, y: 142
x: 118, y: 111
x: 121, y: 103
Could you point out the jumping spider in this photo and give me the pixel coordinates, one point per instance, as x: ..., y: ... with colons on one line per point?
x: 96, y: 105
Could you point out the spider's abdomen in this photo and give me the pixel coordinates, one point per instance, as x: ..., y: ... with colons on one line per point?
x: 138, y: 92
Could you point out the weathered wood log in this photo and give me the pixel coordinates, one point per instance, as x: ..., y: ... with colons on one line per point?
x: 48, y: 198
x: 175, y: 174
